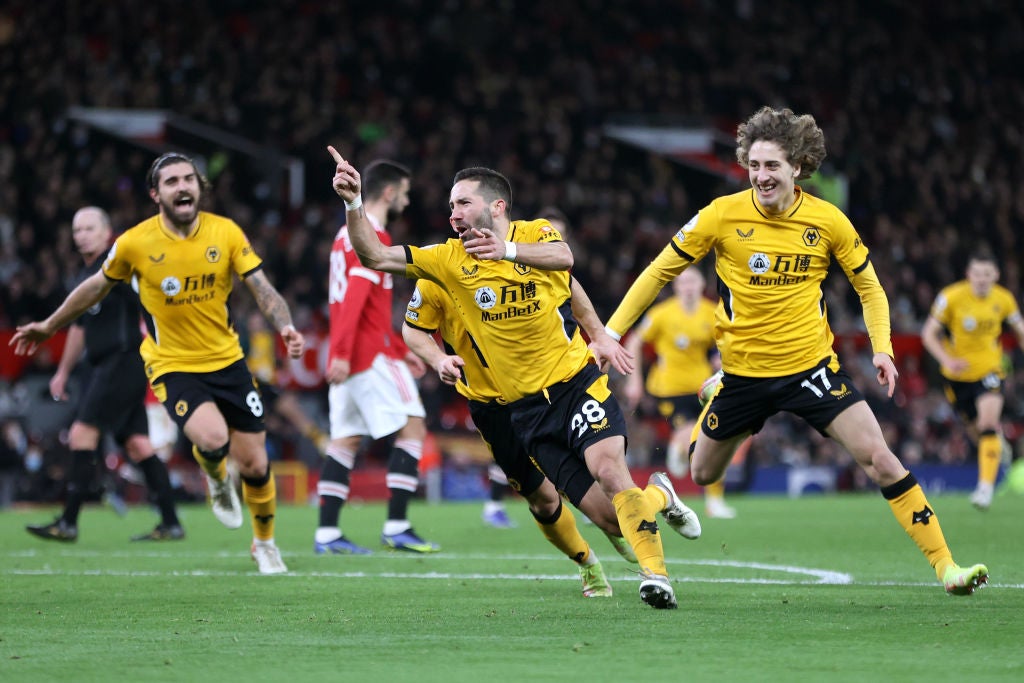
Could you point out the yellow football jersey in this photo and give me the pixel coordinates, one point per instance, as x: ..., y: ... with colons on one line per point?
x: 429, y: 310
x: 973, y: 326
x: 771, y: 319
x: 519, y: 318
x: 184, y: 284
x: 682, y: 341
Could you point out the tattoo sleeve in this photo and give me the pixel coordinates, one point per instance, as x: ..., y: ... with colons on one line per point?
x: 270, y: 301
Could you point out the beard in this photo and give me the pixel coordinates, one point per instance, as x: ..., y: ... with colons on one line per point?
x: 181, y: 216
x: 484, y: 222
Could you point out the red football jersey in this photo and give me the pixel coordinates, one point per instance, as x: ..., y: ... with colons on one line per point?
x: 360, y: 307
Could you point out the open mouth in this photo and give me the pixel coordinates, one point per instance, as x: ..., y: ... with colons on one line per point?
x: 184, y: 200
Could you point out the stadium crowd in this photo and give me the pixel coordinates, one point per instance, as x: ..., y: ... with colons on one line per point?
x: 920, y: 104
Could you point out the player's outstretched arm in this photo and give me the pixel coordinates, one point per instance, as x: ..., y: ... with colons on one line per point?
x: 91, y: 291
x: 371, y: 251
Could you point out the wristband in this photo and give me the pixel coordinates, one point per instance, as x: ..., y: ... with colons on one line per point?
x: 613, y: 334
x: 286, y: 328
x: 356, y: 203
x: 510, y: 252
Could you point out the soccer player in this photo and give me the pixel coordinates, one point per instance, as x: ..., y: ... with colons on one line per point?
x: 494, y: 513
x: 113, y: 399
x: 512, y: 293
x: 372, y: 391
x: 459, y: 365
x: 681, y: 332
x: 773, y: 245
x: 183, y: 262
x: 962, y: 333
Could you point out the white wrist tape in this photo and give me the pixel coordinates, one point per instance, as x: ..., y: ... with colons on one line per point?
x: 356, y: 203
x: 510, y: 251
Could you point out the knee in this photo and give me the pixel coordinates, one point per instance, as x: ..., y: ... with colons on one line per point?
x: 703, y: 475
x: 544, y: 501
x: 882, y: 466
x: 83, y: 437
x: 702, y: 472
x: 610, y: 472
x: 138, y: 448
x: 415, y: 428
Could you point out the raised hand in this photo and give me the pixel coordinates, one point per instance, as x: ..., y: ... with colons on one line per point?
x: 347, y: 182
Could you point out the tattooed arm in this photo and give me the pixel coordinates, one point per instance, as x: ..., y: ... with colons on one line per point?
x: 275, y: 308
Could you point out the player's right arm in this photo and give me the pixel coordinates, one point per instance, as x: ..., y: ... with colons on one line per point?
x: 371, y: 251
x: 931, y: 339
x: 91, y: 291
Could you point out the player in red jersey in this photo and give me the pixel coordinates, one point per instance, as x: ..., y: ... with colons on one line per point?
x: 372, y: 390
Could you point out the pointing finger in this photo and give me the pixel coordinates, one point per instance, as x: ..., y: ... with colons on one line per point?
x: 334, y: 153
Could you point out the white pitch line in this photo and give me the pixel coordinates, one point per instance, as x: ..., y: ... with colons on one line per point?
x: 448, y: 576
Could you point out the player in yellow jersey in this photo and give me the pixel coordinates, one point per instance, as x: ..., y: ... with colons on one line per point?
x: 681, y: 332
x: 461, y: 366
x: 962, y: 333
x: 183, y: 262
x: 509, y: 285
x: 773, y: 245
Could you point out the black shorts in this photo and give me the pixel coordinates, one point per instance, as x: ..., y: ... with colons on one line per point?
x: 678, y: 410
x: 494, y: 422
x: 558, y: 427
x: 964, y: 395
x: 114, y: 400
x: 742, y: 404
x: 232, y: 389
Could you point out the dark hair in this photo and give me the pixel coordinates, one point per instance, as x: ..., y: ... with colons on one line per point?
x: 152, y: 177
x: 553, y: 213
x: 493, y: 185
x: 380, y: 174
x: 798, y: 136
x: 984, y: 254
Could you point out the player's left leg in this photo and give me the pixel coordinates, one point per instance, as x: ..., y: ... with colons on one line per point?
x: 990, y: 447
x: 141, y: 452
x: 494, y: 513
x: 857, y: 430
x: 249, y: 451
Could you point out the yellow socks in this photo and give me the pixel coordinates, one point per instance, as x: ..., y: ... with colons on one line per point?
x: 216, y: 467
x: 908, y: 503
x: 989, y: 449
x: 716, y: 490
x: 560, y: 529
x: 261, y: 497
x: 639, y: 526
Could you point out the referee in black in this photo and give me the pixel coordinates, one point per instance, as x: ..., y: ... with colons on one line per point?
x: 109, y: 334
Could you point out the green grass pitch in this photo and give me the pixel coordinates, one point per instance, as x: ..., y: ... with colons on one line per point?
x: 825, y: 588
